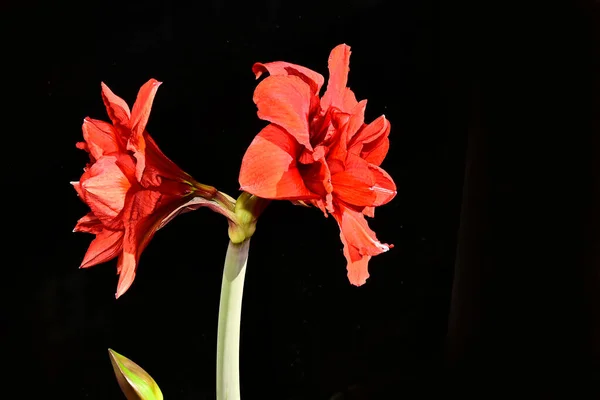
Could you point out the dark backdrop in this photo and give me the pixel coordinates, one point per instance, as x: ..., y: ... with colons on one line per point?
x: 493, y: 285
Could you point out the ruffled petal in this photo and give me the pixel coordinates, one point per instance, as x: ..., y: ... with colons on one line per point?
x: 143, y: 106
x: 360, y: 243
x: 105, y: 189
x: 339, y: 149
x: 314, y: 79
x: 269, y: 168
x: 339, y: 66
x: 106, y: 246
x: 371, y: 132
x: 83, y: 146
x: 358, y: 264
x: 285, y: 101
x: 352, y: 189
x: 376, y: 151
x: 356, y: 121
x: 100, y: 137
x: 116, y: 107
x: 89, y: 223
x: 348, y: 100
x: 354, y: 185
x: 372, y: 142
x: 126, y: 268
x: 141, y: 222
x: 317, y: 177
x: 139, y: 119
x: 363, y: 184
x: 159, y: 166
x: 383, y: 187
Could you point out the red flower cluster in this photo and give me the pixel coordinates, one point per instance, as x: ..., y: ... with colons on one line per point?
x: 318, y: 150
x: 131, y: 187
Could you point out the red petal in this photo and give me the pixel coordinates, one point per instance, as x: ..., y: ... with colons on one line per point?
x: 159, y: 166
x: 89, y: 223
x: 357, y: 119
x: 317, y: 177
x: 355, y: 184
x: 360, y: 243
x: 142, y: 205
x: 372, y: 141
x: 106, y: 246
x: 285, y: 101
x: 322, y: 127
x: 269, y: 167
x: 363, y: 184
x: 375, y: 152
x: 314, y: 79
x: 127, y: 164
x: 339, y: 66
x: 139, y: 119
x: 310, y: 156
x: 117, y: 109
x: 372, y: 132
x: 143, y: 106
x: 348, y: 100
x: 338, y: 151
x: 384, y: 186
x: 126, y: 268
x: 141, y: 222
x: 105, y: 189
x: 351, y: 189
x: 358, y: 264
x: 369, y: 211
x: 82, y: 146
x: 100, y: 137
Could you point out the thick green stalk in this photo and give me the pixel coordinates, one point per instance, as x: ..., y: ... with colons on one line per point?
x: 230, y: 312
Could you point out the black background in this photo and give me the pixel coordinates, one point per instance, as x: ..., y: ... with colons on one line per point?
x: 493, y: 286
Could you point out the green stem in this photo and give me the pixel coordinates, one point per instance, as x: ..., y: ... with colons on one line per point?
x: 230, y: 312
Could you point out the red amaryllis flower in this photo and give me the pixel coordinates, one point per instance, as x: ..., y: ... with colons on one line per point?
x: 131, y: 187
x: 318, y: 150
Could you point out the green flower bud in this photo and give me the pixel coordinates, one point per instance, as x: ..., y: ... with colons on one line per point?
x: 135, y: 383
x: 247, y: 210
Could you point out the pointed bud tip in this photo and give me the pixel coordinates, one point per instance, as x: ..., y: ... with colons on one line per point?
x: 134, y: 381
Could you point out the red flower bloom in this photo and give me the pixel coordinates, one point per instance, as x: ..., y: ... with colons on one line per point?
x: 320, y: 151
x: 131, y: 187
